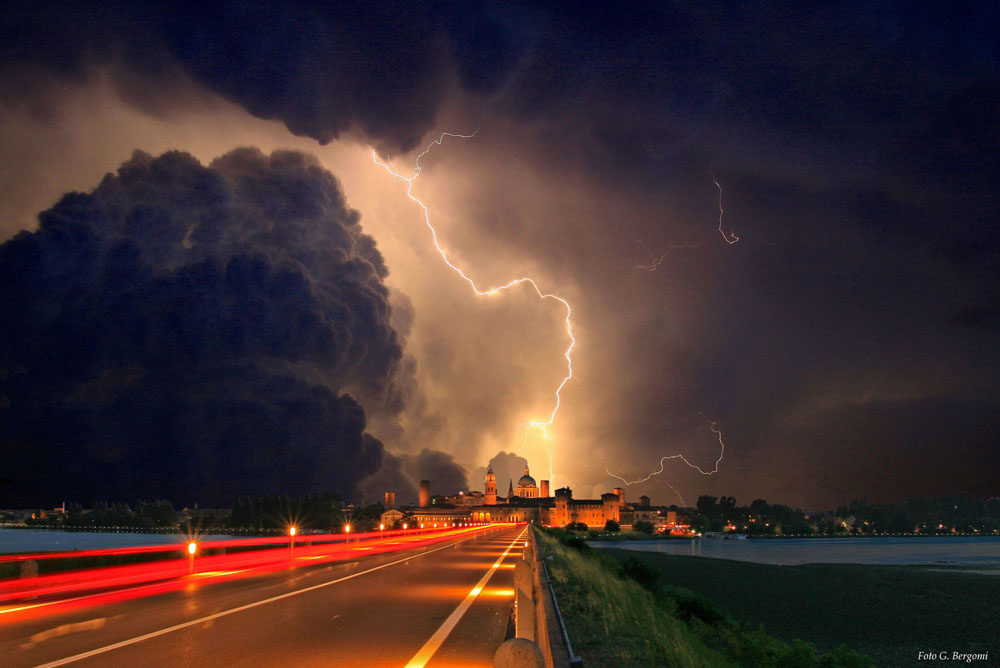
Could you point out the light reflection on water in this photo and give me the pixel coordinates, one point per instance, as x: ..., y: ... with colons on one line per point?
x: 943, y: 551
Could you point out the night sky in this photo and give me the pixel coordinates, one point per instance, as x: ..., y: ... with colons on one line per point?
x: 209, y: 288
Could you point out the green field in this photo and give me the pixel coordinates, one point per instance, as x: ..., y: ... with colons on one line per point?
x: 623, y: 616
x: 887, y: 612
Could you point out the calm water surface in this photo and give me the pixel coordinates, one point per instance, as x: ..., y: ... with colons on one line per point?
x: 944, y: 551
x: 26, y: 540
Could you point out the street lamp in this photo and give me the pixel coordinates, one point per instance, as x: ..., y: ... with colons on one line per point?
x: 192, y: 548
x: 291, y: 543
x: 347, y: 528
x: 380, y: 528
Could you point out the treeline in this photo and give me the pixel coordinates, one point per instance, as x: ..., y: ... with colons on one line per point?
x: 317, y: 512
x: 941, y: 515
x: 145, y: 515
x: 944, y: 515
x: 264, y: 513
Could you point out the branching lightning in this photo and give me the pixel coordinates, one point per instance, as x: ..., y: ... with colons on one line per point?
x: 657, y: 261
x: 731, y: 238
x: 663, y: 460
x: 540, y: 425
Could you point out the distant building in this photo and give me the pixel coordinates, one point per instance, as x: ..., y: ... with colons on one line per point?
x: 490, y: 489
x: 526, y: 503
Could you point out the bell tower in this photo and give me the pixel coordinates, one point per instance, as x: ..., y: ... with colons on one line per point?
x: 490, y: 491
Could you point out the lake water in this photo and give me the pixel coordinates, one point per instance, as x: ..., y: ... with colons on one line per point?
x: 944, y: 551
x: 26, y: 540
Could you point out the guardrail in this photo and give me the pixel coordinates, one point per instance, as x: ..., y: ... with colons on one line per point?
x: 540, y: 638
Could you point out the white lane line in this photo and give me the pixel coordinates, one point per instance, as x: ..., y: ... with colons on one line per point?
x: 431, y: 646
x: 202, y: 620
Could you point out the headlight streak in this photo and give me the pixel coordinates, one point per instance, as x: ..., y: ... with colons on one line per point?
x: 397, y: 176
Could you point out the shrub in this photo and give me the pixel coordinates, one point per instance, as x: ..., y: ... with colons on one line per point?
x: 642, y: 526
x: 640, y: 571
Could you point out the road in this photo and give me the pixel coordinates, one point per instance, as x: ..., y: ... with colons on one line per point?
x: 442, y: 605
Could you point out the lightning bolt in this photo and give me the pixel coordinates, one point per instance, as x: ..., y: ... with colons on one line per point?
x: 731, y: 238
x: 657, y: 261
x: 409, y: 180
x: 663, y: 460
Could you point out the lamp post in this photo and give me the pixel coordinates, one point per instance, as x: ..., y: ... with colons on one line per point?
x: 380, y: 528
x: 192, y: 548
x: 291, y: 543
x: 347, y: 528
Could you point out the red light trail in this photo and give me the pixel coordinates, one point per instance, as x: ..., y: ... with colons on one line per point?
x: 19, y: 598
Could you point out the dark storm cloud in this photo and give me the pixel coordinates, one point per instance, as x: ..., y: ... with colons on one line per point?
x: 507, y: 467
x: 856, y: 150
x: 163, y: 335
x: 401, y: 474
x: 855, y: 144
x: 378, y: 70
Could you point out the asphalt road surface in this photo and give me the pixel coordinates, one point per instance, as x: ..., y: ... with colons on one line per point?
x: 446, y: 604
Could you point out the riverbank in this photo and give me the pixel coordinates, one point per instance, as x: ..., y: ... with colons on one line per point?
x: 621, y: 614
x: 883, y: 550
x: 890, y: 613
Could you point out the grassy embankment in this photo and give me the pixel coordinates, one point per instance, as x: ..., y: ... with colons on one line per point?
x: 620, y: 614
x: 888, y: 612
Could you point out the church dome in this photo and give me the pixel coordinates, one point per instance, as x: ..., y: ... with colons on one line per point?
x: 526, y: 481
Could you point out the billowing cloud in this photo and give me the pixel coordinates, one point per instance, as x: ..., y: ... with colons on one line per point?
x: 402, y: 473
x: 188, y: 332
x: 508, y: 468
x: 854, y: 146
x: 377, y: 71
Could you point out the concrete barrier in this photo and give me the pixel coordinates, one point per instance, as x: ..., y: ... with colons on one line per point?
x: 541, y: 639
x: 518, y: 653
x: 29, y: 569
x: 524, y: 623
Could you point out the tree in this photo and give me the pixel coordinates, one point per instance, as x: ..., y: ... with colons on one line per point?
x: 707, y: 505
x: 612, y: 527
x: 642, y: 526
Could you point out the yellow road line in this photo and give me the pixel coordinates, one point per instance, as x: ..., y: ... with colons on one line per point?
x: 202, y: 620
x: 431, y: 646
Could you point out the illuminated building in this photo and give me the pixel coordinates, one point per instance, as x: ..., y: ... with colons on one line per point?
x: 526, y: 488
x: 592, y: 512
x: 528, y: 502
x: 490, y: 489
